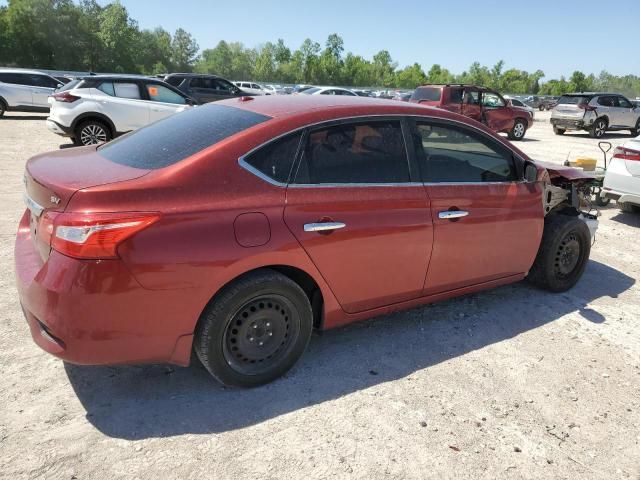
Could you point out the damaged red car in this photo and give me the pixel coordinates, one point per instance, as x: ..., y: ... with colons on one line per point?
x: 236, y: 228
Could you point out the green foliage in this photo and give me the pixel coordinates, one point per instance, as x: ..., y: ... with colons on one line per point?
x: 86, y: 35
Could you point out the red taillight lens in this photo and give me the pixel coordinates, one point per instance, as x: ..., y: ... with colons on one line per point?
x: 96, y: 235
x: 65, y: 97
x: 626, y: 154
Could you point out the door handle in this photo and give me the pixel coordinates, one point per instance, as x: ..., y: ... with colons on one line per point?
x: 323, y: 227
x: 452, y: 214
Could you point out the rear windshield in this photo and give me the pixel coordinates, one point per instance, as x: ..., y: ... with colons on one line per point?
x: 429, y: 94
x: 175, y: 138
x: 573, y: 100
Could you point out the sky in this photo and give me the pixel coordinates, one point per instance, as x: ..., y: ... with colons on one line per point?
x: 557, y: 37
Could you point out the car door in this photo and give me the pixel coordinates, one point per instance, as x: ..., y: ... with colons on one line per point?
x: 42, y: 87
x: 19, y: 91
x: 487, y: 222
x: 497, y: 115
x: 605, y: 107
x: 123, y: 102
x: 471, y: 106
x: 628, y: 116
x: 163, y: 101
x: 357, y: 208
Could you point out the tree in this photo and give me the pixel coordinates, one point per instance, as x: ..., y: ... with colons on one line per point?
x: 265, y: 68
x: 411, y: 77
x: 184, y: 50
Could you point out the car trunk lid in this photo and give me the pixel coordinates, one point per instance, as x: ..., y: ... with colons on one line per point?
x: 51, y: 179
x: 571, y: 106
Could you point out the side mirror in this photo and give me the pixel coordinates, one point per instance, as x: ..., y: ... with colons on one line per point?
x: 530, y: 173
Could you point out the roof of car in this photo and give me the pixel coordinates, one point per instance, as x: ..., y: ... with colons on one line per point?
x: 22, y: 70
x: 210, y: 75
x: 582, y: 94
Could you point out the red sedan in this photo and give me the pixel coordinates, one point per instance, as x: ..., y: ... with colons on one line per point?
x: 236, y: 228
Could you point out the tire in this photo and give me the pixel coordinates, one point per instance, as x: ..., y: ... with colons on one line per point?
x: 267, y: 303
x: 3, y: 108
x: 518, y: 130
x: 92, y: 132
x: 598, y: 129
x: 542, y: 108
x: 634, y: 131
x: 602, y: 202
x: 563, y: 253
x: 558, y: 131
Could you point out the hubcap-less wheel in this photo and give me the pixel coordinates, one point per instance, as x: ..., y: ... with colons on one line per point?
x: 92, y: 134
x: 599, y: 128
x: 567, y: 256
x: 260, y: 334
x: 518, y: 130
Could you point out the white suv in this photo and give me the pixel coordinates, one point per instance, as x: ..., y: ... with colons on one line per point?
x: 252, y: 87
x: 25, y: 90
x: 98, y: 108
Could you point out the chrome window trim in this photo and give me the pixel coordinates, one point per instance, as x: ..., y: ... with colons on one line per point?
x: 351, y: 185
x: 243, y: 163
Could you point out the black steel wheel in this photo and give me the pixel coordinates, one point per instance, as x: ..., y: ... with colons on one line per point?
x: 254, y: 330
x: 260, y: 334
x: 563, y: 253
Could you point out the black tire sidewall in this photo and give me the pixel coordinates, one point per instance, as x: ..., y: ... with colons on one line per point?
x: 211, y: 330
x: 557, y: 228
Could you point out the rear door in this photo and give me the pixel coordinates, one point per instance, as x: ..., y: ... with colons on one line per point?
x: 123, y: 102
x: 471, y: 106
x: 487, y: 223
x: 606, y: 106
x: 357, y: 209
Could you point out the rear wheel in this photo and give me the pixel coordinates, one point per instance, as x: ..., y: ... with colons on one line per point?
x: 518, y: 130
x: 598, y: 129
x: 636, y: 131
x: 627, y: 207
x: 92, y: 132
x: 563, y: 254
x: 255, y: 329
x: 558, y: 131
x: 3, y: 107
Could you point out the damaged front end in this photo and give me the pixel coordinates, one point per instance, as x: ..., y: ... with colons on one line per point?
x: 567, y: 190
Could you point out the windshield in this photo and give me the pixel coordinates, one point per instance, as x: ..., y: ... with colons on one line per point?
x: 177, y: 137
x: 429, y: 94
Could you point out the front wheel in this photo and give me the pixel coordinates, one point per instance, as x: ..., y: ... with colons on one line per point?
x: 518, y: 130
x: 598, y: 129
x: 3, y: 108
x: 636, y: 131
x: 558, y: 131
x: 563, y: 253
x: 255, y: 329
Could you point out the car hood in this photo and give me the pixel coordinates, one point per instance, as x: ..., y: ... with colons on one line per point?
x: 562, y: 171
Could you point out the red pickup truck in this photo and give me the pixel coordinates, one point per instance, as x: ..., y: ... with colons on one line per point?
x: 481, y: 104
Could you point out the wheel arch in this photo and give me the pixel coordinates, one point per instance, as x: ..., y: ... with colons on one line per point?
x: 94, y: 116
x: 302, y: 278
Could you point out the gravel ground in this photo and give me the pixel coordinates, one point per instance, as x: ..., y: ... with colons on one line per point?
x: 509, y: 383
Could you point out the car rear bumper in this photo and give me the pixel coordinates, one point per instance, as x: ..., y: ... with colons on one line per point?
x: 568, y: 124
x: 56, y: 128
x: 95, y: 312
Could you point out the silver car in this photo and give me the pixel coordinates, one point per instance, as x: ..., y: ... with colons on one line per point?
x: 25, y: 90
x: 596, y: 113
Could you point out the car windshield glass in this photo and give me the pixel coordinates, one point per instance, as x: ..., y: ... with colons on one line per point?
x: 430, y: 94
x: 573, y: 100
x: 175, y: 138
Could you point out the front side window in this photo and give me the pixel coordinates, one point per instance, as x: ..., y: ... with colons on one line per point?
x: 455, y: 95
x: 492, y: 100
x: 127, y: 90
x: 453, y: 154
x: 160, y: 93
x: 276, y: 159
x: 624, y: 103
x: 359, y: 152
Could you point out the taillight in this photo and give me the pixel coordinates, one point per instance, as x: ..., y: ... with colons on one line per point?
x: 65, y: 97
x: 96, y: 235
x: 626, y: 154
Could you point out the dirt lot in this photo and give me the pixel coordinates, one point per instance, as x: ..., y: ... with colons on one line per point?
x: 510, y: 383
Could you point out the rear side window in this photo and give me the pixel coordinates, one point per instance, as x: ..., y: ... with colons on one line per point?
x: 43, y: 81
x: 276, y: 159
x: 363, y: 152
x: 127, y: 90
x: 15, y: 78
x: 107, y: 87
x: 175, y: 138
x: 573, y: 100
x: 452, y: 154
x: 428, y: 94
